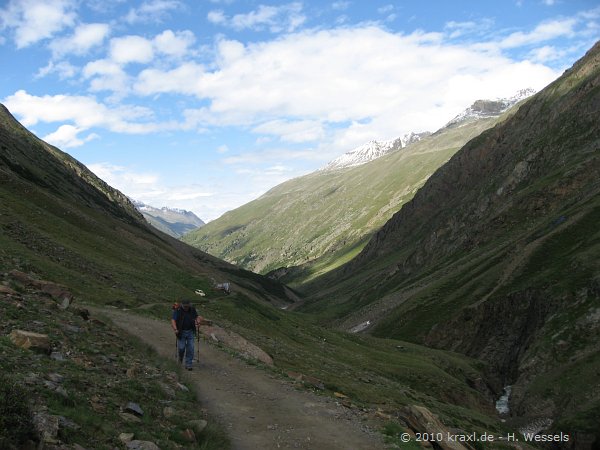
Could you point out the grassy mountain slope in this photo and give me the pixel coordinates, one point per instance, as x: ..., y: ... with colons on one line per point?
x: 63, y: 223
x: 498, y: 256
x: 312, y: 224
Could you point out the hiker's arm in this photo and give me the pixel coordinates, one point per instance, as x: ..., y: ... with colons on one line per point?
x: 174, y: 325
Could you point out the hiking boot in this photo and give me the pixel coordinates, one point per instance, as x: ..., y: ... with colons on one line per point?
x: 189, y: 368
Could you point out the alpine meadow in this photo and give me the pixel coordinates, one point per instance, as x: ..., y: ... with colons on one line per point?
x: 320, y: 225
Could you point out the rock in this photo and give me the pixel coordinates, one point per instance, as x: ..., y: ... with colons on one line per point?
x: 313, y: 382
x: 339, y: 395
x: 421, y: 420
x: 197, y: 425
x: 84, y: 313
x: 134, y: 408
x: 168, y: 412
x: 21, y: 277
x: 126, y: 437
x: 46, y: 427
x: 129, y: 417
x: 54, y: 290
x: 30, y: 341
x: 8, y: 291
x: 142, y: 445
x: 188, y: 435
x: 131, y: 372
x: 63, y: 422
x: 55, y: 377
x: 57, y: 356
x: 182, y: 387
x: 236, y: 342
x: 65, y: 303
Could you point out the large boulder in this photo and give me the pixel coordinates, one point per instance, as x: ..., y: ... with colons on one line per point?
x: 30, y: 341
x: 421, y: 420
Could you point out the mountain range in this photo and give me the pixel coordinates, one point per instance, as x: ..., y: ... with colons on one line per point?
x: 312, y: 224
x: 173, y: 221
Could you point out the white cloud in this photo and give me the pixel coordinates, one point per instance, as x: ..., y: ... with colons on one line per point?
x: 543, y: 32
x: 36, y: 20
x: 381, y: 83
x: 106, y: 75
x: 385, y: 9
x: 217, y: 17
x: 174, y: 44
x: 277, y: 19
x: 183, y: 79
x: 128, y: 49
x: 152, y: 11
x: 340, y: 5
x: 84, y: 38
x: 296, y: 131
x: 457, y: 29
x: 84, y: 113
x: 66, y: 136
x: 64, y: 70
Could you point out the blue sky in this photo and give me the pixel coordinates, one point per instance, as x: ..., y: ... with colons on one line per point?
x: 206, y: 104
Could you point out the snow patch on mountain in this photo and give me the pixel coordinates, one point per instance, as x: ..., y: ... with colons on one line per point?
x: 482, y: 109
x: 372, y: 150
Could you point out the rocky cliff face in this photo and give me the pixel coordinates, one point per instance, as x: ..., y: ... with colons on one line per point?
x: 497, y: 256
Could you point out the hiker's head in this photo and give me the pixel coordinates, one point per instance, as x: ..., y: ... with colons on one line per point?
x: 185, y: 304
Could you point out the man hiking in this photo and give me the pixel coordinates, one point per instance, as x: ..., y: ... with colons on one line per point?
x: 184, y: 322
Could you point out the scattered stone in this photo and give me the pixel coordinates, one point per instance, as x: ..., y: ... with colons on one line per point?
x: 168, y: 412
x: 129, y: 417
x: 8, y: 291
x: 197, y: 425
x: 214, y: 338
x: 168, y: 390
x: 313, y: 382
x: 31, y: 378
x: 57, y: 356
x: 272, y: 427
x: 67, y: 423
x: 131, y: 372
x: 188, y: 435
x: 339, y: 395
x: 182, y: 387
x: 142, y: 445
x: 84, y: 313
x: 72, y: 329
x: 65, y: 303
x: 46, y: 427
x: 55, y: 377
x: 134, y: 408
x: 126, y: 437
x: 30, y: 341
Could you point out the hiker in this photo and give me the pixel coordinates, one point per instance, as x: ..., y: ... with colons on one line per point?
x: 184, y: 322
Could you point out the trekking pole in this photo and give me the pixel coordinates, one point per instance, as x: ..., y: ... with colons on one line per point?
x: 198, y: 339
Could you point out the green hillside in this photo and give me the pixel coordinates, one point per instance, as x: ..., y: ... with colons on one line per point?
x: 498, y: 257
x: 312, y: 224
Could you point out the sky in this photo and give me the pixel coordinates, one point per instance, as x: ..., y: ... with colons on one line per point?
x: 207, y: 104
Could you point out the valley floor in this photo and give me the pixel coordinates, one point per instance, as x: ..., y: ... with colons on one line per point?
x: 257, y: 409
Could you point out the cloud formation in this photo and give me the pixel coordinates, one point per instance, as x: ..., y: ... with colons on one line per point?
x: 34, y: 20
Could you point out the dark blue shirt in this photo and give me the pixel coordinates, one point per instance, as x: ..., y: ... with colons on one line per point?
x: 185, y: 320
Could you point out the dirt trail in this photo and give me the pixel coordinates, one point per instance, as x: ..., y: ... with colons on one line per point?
x: 258, y: 410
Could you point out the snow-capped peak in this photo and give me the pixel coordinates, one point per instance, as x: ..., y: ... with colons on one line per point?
x: 489, y: 108
x: 372, y: 150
